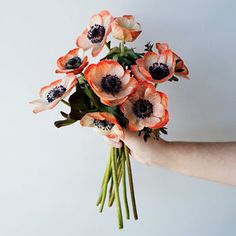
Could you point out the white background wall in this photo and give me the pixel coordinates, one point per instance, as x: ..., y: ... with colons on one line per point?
x: 50, y: 178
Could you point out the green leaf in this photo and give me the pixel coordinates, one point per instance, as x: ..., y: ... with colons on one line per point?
x: 163, y: 130
x: 173, y: 78
x: 79, y: 105
x: 148, y: 47
x: 62, y: 123
x: 64, y: 114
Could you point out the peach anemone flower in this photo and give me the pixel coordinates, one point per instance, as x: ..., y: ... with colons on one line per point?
x: 110, y: 81
x: 73, y: 62
x: 52, y: 94
x: 105, y: 123
x: 146, y: 107
x: 155, y: 68
x: 125, y: 28
x: 181, y: 69
x: 95, y: 35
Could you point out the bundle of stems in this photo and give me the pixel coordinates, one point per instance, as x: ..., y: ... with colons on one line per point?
x: 117, y: 167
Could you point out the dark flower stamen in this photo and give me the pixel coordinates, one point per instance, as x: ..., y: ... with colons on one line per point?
x: 73, y: 63
x: 55, y: 93
x: 111, y: 84
x: 142, y: 108
x: 159, y: 71
x: 103, y: 124
x: 96, y: 33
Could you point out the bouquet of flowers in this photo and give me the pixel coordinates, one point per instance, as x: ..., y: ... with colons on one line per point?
x: 117, y: 93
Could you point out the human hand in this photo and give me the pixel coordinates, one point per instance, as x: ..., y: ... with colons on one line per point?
x: 144, y: 152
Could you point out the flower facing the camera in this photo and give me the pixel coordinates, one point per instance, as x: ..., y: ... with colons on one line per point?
x: 181, y: 69
x: 155, y: 68
x: 95, y: 35
x: 52, y: 94
x: 110, y: 82
x: 125, y: 28
x: 105, y: 123
x: 146, y: 107
x: 73, y: 62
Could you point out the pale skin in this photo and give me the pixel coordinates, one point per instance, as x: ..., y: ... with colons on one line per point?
x: 214, y: 161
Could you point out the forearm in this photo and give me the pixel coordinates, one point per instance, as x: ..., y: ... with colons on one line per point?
x: 212, y: 161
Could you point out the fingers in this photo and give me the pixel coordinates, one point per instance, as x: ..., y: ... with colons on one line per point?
x: 113, y: 143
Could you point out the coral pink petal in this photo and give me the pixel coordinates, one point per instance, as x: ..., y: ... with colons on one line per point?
x: 135, y: 126
x: 150, y: 121
x: 83, y: 42
x: 137, y: 73
x: 106, y: 67
x: 162, y: 47
x: 107, y: 19
x: 97, y: 48
x: 158, y: 110
x: 140, y: 62
x: 95, y: 19
x: 125, y: 78
x: 149, y: 59
x: 146, y: 74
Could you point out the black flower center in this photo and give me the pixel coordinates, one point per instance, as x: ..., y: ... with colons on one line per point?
x: 111, y: 84
x: 159, y: 71
x: 103, y: 124
x: 73, y: 63
x: 142, y: 108
x: 55, y: 93
x: 96, y: 33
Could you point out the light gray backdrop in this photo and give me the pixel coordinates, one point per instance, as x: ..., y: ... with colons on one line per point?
x: 50, y: 178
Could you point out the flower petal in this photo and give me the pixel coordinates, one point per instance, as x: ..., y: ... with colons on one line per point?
x: 149, y: 59
x: 83, y: 41
x: 95, y: 19
x: 110, y: 67
x: 162, y: 47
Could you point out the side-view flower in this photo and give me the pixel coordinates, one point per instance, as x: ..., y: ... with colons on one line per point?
x: 125, y: 28
x: 52, y: 94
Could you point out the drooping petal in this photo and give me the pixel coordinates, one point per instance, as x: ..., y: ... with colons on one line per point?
x: 40, y: 105
x: 44, y: 103
x: 113, y: 130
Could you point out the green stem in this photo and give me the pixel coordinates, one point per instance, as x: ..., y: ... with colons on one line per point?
x: 119, y: 175
x: 103, y: 181
x: 110, y: 192
x: 106, y: 180
x: 124, y: 183
x: 65, y: 102
x: 115, y: 180
x: 131, y: 183
x: 122, y: 48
